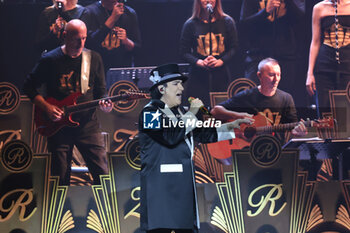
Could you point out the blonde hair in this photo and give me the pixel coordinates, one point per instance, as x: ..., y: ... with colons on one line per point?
x: 197, y: 10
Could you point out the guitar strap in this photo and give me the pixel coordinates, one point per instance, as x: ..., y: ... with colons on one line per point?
x: 85, y: 70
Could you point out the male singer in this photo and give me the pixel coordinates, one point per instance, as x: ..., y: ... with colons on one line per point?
x: 168, y: 194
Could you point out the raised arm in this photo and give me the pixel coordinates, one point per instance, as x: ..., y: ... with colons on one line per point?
x: 46, y: 36
x: 250, y: 14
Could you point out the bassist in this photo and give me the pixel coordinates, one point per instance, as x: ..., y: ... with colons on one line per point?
x: 65, y: 70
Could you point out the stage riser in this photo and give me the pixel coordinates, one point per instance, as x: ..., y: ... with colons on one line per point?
x: 291, y: 203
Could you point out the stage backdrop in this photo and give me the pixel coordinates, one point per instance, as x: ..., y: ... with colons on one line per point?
x: 263, y: 192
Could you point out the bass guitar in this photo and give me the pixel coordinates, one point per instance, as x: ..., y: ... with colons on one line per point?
x: 46, y: 127
x: 261, y: 125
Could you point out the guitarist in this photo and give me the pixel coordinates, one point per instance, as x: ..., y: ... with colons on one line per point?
x: 60, y: 72
x: 266, y: 100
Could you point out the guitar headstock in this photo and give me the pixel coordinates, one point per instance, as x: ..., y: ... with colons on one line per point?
x: 325, y: 123
x: 133, y: 94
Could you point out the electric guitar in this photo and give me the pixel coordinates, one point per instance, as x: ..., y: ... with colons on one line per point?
x: 46, y: 127
x: 261, y: 125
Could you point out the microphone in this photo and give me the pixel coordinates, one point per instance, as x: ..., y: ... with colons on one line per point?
x: 60, y: 7
x: 203, y: 109
x: 210, y: 8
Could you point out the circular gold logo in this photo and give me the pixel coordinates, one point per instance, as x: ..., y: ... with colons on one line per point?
x: 132, y: 154
x: 9, y: 98
x: 265, y: 150
x: 16, y: 156
x: 239, y: 85
x: 119, y: 88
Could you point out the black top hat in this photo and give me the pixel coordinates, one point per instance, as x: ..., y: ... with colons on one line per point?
x: 165, y: 73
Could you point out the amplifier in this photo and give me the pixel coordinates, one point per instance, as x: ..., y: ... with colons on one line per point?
x: 137, y: 75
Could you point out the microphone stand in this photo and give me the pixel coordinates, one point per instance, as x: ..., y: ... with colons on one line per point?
x: 210, y: 32
x: 210, y: 76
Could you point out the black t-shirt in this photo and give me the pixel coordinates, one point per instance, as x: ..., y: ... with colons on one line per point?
x: 194, y: 43
x: 45, y: 39
x: 271, y: 35
x: 69, y: 82
x: 104, y: 41
x: 60, y: 76
x: 279, y: 108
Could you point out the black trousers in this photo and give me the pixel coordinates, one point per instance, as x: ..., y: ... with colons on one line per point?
x: 91, y: 146
x: 326, y: 81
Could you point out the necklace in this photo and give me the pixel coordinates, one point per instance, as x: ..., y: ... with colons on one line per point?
x: 336, y: 20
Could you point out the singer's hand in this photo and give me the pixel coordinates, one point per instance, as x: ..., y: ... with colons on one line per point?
x: 272, y: 5
x: 207, y: 60
x: 196, y: 104
x: 58, y: 26
x: 200, y: 63
x: 212, y: 62
x: 121, y: 34
x: 117, y: 11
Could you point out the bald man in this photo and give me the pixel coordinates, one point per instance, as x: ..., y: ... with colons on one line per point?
x: 59, y: 71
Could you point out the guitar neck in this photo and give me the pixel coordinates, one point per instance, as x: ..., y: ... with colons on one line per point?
x: 92, y: 104
x: 280, y: 127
